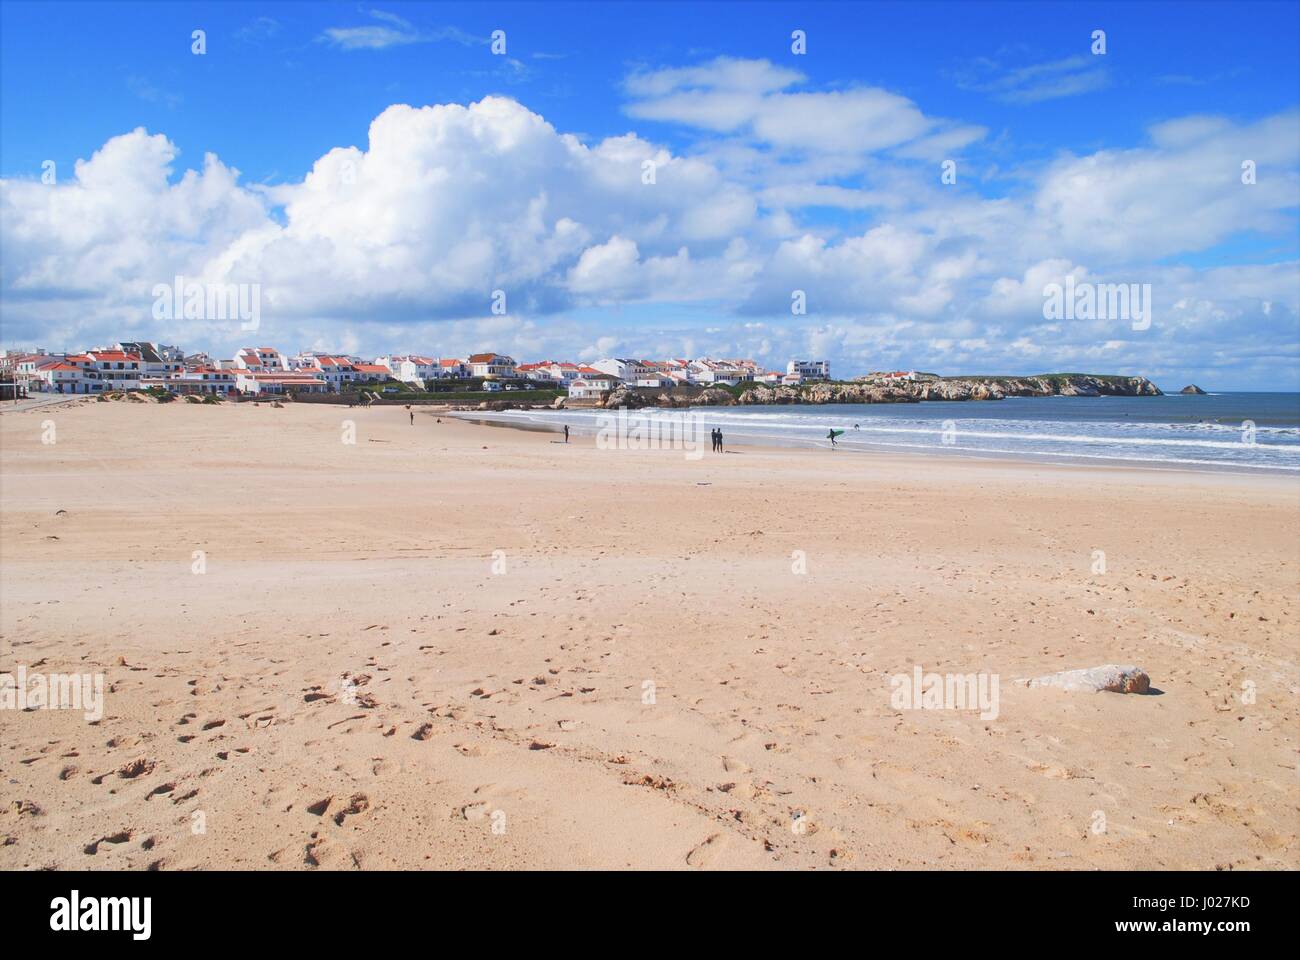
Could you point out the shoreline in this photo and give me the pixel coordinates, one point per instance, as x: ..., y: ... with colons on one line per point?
x: 1026, y: 458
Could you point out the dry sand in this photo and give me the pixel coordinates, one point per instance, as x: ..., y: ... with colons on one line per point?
x: 353, y: 683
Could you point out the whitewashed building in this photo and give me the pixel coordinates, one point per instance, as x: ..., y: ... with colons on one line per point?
x: 592, y: 384
x: 809, y: 369
x: 260, y: 359
x: 119, y: 370
x: 411, y: 368
x: 492, y: 365
x: 625, y: 368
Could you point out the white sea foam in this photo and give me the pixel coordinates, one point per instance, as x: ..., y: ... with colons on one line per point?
x: 1204, y: 443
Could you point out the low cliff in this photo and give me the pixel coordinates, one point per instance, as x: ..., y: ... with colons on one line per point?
x: 880, y: 390
x: 869, y: 390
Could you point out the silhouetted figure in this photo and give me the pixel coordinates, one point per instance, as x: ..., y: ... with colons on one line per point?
x: 720, y: 450
x: 566, y: 433
x: 412, y: 416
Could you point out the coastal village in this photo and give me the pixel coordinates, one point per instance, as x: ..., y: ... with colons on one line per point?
x: 255, y: 371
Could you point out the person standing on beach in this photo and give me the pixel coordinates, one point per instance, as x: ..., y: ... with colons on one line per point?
x: 720, y: 450
x: 566, y: 433
x: 713, y: 436
x: 412, y: 416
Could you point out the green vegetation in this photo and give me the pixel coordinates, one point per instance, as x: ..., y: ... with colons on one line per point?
x: 474, y: 396
x: 1049, y: 377
x: 746, y: 385
x: 409, y: 394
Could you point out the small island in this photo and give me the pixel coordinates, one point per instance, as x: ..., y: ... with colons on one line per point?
x: 1192, y: 388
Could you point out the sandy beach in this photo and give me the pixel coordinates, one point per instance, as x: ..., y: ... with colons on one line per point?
x: 449, y: 645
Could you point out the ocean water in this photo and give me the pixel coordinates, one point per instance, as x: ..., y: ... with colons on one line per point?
x: 1244, y: 432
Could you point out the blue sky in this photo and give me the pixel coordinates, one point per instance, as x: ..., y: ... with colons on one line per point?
x: 778, y: 172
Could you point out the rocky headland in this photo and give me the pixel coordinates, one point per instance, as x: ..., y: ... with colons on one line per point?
x: 881, y: 390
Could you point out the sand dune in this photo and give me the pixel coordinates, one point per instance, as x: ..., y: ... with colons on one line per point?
x: 458, y: 646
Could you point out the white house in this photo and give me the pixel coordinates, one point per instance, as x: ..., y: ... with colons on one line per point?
x: 372, y: 371
x: 706, y: 370
x: 625, y: 368
x: 563, y: 371
x: 204, y: 380
x: 280, y: 382
x: 119, y: 370
x: 156, y: 361
x: 491, y: 365
x: 61, y: 376
x: 809, y: 369
x: 335, y: 371
x: 260, y: 359
x: 536, y: 371
x: 451, y: 367
x: 410, y: 368
x: 592, y: 384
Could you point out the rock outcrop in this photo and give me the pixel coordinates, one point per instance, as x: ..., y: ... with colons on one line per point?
x: 1110, y: 677
x: 1192, y: 388
x: 881, y: 390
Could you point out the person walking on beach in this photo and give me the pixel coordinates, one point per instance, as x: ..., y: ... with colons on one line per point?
x: 831, y: 437
x: 412, y: 416
x: 566, y: 433
x: 720, y: 450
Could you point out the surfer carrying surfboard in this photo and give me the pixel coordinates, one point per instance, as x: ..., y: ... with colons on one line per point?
x: 832, y: 435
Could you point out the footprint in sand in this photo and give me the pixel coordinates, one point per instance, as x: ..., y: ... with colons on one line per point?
x: 93, y: 848
x: 708, y: 852
x: 732, y: 765
x: 128, y: 771
x: 358, y: 804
